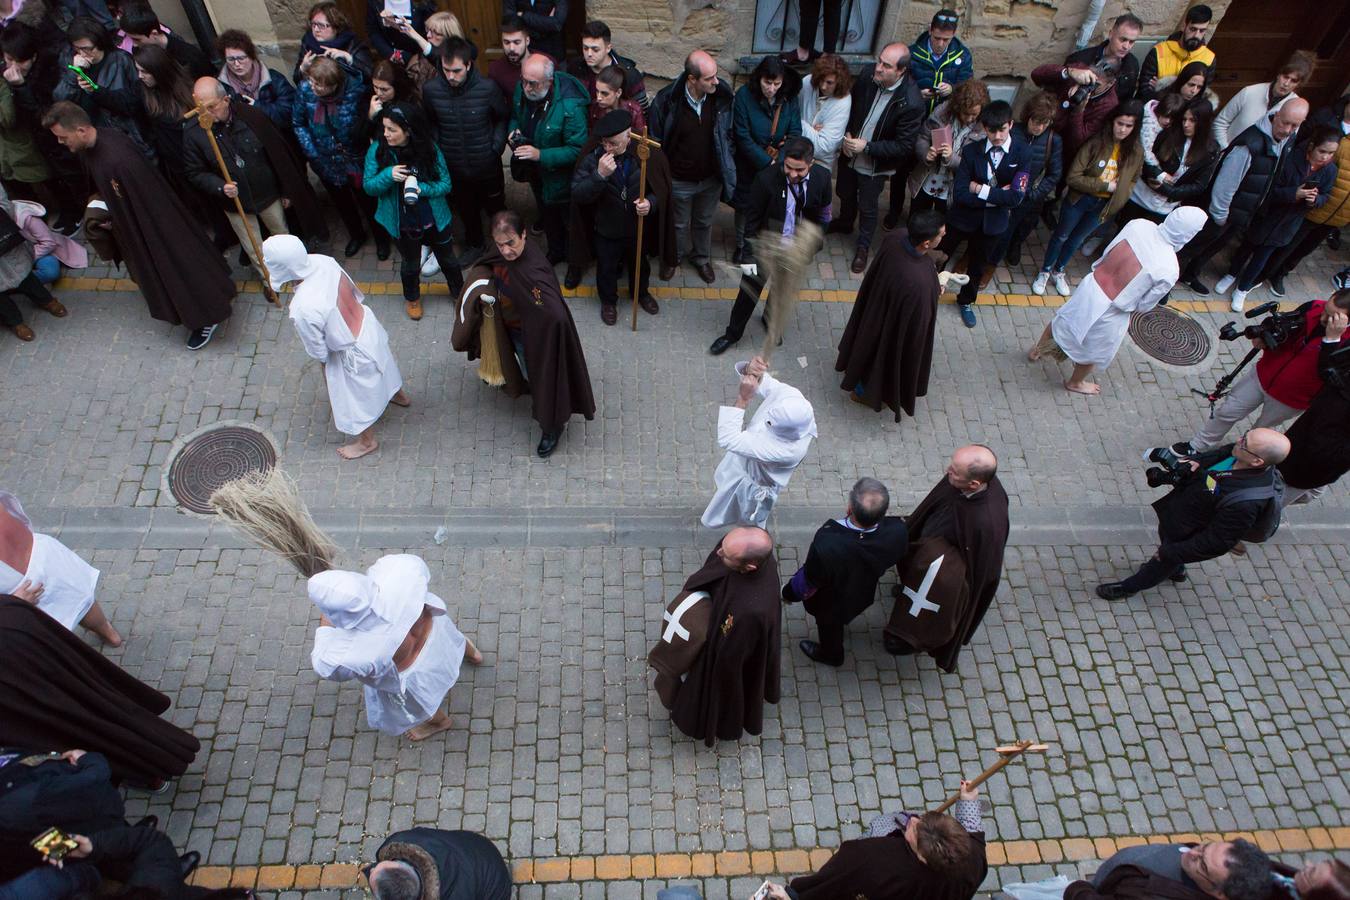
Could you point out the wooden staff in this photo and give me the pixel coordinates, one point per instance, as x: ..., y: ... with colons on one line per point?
x: 644, y: 152
x: 1006, y: 755
x: 206, y: 120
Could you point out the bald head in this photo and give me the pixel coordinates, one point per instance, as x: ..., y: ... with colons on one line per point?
x: 700, y: 73
x: 743, y: 549
x: 209, y: 93
x: 1263, y: 446
x: 1288, y: 118
x: 891, y: 64
x: 971, y: 468
x: 536, y: 76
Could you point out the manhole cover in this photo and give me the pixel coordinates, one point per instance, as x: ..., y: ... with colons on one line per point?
x: 215, y: 457
x: 1170, y: 336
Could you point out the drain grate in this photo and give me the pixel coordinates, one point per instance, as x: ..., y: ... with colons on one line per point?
x: 1170, y: 336
x: 216, y: 457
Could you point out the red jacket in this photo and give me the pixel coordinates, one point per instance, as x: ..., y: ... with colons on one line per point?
x: 1289, y: 372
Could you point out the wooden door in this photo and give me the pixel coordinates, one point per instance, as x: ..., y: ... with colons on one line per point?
x: 1256, y: 37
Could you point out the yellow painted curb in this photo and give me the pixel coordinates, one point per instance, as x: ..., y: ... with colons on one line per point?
x: 757, y: 863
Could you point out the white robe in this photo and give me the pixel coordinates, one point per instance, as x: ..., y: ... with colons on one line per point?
x: 1089, y: 327
x: 760, y: 459
x: 371, y: 616
x: 68, y: 582
x: 360, y: 370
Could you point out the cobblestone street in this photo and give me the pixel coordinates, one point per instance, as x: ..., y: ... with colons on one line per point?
x: 1214, y: 706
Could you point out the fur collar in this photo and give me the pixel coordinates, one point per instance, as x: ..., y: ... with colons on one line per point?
x: 420, y: 860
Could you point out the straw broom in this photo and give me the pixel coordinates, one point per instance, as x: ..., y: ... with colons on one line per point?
x: 784, y: 265
x: 267, y: 507
x: 489, y: 350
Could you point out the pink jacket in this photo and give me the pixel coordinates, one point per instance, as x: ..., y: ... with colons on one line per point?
x: 28, y: 216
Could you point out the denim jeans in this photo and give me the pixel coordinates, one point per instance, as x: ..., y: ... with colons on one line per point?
x: 47, y: 269
x: 1077, y: 220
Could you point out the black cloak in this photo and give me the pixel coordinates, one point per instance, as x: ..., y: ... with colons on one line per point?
x: 845, y: 565
x: 289, y: 169
x: 885, y: 868
x: 58, y: 693
x: 559, y: 382
x: 888, y: 342
x: 1319, y: 441
x: 182, y: 276
x: 978, y: 527
x: 658, y: 234
x: 738, y: 671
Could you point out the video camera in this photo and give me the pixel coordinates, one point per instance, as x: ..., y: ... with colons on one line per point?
x: 1273, y: 330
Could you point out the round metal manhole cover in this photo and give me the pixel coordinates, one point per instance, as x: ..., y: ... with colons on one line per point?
x: 213, y: 458
x: 1170, y: 336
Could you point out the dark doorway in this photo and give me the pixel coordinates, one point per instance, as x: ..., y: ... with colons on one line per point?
x: 1255, y: 38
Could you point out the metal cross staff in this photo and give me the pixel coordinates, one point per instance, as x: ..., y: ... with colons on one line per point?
x: 643, y: 149
x: 206, y: 120
x: 1005, y: 755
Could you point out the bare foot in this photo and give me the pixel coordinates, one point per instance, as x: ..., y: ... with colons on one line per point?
x: 1083, y: 387
x: 474, y: 655
x: 435, y: 725
x: 358, y: 448
x: 401, y: 399
x: 109, y: 636
x: 1034, y: 354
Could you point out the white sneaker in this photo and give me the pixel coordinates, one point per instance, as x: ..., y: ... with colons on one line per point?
x: 1224, y: 284
x: 430, y: 267
x: 1061, y: 284
x: 1239, y: 297
x: 1038, y: 286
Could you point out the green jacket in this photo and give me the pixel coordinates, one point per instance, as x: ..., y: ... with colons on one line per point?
x: 560, y: 134
x: 20, y: 159
x: 388, y: 193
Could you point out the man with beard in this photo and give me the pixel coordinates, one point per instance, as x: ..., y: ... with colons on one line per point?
x: 505, y: 69
x: 182, y: 276
x: 940, y: 602
x: 529, y: 327
x: 1167, y: 58
x: 847, y: 558
x: 887, y: 347
x: 717, y: 661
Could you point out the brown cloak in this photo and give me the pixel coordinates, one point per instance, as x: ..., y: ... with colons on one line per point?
x: 290, y: 173
x: 914, y: 620
x: 885, y: 868
x: 58, y: 693
x: 724, y: 693
x: 658, y: 234
x: 472, y: 328
x: 182, y: 276
x: 559, y: 384
x: 978, y: 527
x: 888, y: 342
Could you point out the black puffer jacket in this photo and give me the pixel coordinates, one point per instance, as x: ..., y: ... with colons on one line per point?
x: 470, y: 123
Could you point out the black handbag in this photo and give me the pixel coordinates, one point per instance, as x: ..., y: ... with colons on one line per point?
x: 10, y: 235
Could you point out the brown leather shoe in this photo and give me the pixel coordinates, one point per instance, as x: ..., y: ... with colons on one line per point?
x: 706, y: 272
x: 22, y: 332
x: 414, y: 308
x: 609, y: 313
x: 987, y: 277
x: 667, y: 272
x: 648, y: 304
x: 859, y: 261
x: 55, y: 308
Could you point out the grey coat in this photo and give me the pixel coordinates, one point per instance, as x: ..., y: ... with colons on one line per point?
x: 17, y: 263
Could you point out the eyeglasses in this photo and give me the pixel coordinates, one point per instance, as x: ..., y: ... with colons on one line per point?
x: 532, y: 82
x: 946, y: 20
x: 236, y: 59
x: 319, y: 25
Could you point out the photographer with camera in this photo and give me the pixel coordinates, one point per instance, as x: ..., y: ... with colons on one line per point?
x: 406, y: 174
x: 1218, y: 499
x: 1295, y: 347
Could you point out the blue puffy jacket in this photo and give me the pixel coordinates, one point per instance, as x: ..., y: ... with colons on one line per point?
x: 330, y: 147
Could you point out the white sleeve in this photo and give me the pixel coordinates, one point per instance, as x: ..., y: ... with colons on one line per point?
x: 826, y: 141
x: 1226, y: 116
x: 730, y: 424
x: 311, y: 336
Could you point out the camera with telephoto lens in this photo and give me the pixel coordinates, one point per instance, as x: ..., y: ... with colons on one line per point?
x: 412, y: 191
x: 1171, y: 470
x: 1106, y: 72
x: 1273, y: 330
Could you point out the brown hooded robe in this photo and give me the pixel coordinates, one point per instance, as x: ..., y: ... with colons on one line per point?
x: 978, y: 527
x: 559, y: 384
x: 658, y: 234
x: 885, y: 868
x: 58, y: 693
x: 182, y: 276
x: 888, y: 342
x: 723, y: 695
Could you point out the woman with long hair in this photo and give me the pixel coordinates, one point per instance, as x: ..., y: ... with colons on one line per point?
x: 327, y: 123
x: 407, y: 175
x: 931, y: 183
x: 765, y: 113
x: 330, y: 34
x: 1100, y: 180
x: 1186, y: 154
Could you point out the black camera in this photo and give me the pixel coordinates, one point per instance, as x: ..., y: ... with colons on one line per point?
x: 1172, y: 469
x: 1273, y: 330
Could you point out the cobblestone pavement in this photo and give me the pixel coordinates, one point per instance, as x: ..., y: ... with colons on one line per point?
x: 1217, y: 706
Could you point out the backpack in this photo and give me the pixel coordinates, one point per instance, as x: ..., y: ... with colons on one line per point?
x: 1268, y: 520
